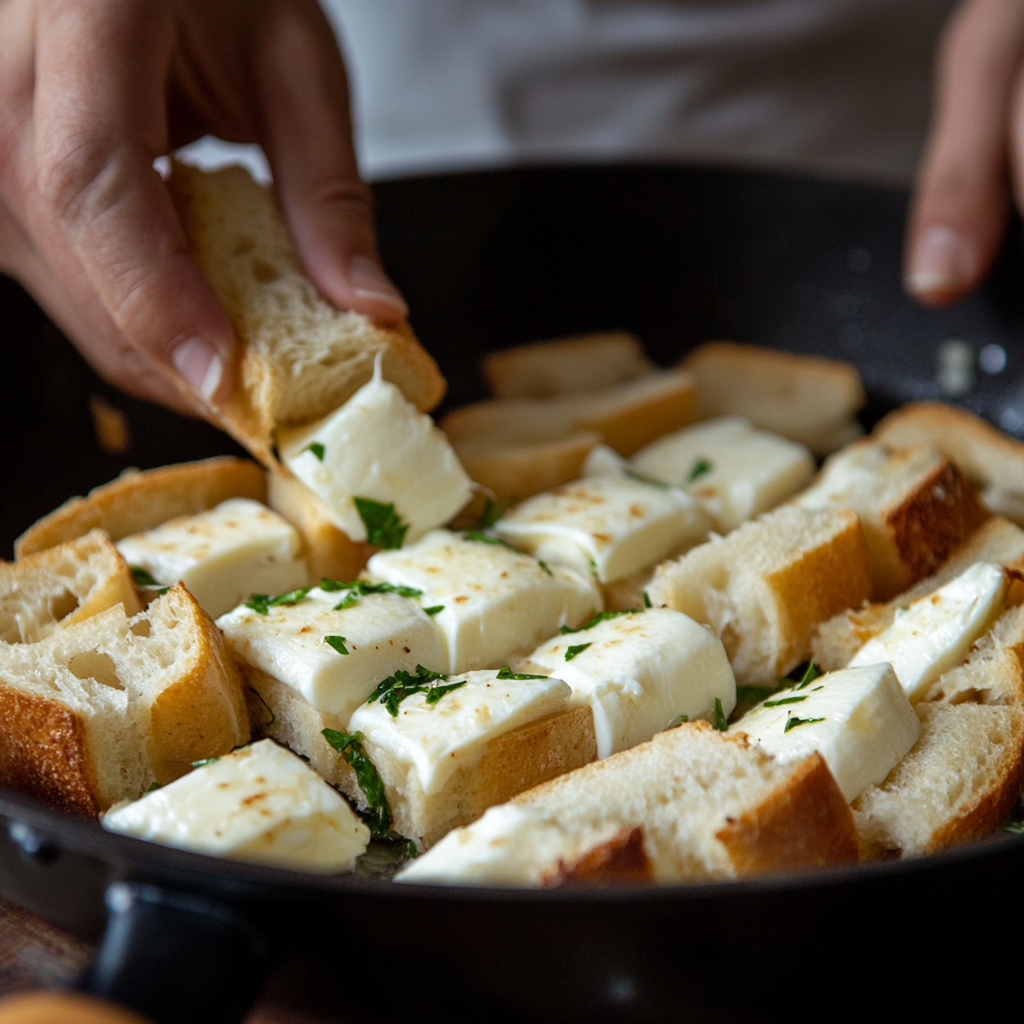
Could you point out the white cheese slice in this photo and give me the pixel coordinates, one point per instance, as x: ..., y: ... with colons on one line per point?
x: 858, y: 719
x: 222, y: 556
x: 496, y: 604
x: 937, y: 631
x: 734, y: 470
x: 381, y: 447
x: 611, y: 527
x: 260, y: 803
x: 381, y: 632
x: 639, y: 672
x: 435, y: 740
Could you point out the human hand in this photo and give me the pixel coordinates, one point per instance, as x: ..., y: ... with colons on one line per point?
x: 974, y: 160
x: 91, y: 91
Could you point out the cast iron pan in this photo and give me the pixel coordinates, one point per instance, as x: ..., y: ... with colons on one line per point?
x: 679, y: 255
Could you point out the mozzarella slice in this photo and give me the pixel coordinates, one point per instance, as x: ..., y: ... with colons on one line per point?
x: 260, y: 803
x: 611, y: 527
x: 435, y: 740
x: 378, y: 446
x: 734, y: 470
x: 381, y: 632
x: 858, y: 719
x: 937, y: 631
x: 222, y: 556
x: 639, y: 672
x: 495, y: 603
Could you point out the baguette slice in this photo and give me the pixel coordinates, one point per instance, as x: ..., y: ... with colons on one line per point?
x: 136, y: 502
x: 565, y: 366
x: 988, y: 458
x: 95, y: 712
x: 330, y: 552
x: 301, y: 358
x: 914, y: 504
x: 691, y: 804
x: 962, y: 778
x: 808, y: 399
x: 63, y: 585
x: 767, y: 586
x: 839, y: 639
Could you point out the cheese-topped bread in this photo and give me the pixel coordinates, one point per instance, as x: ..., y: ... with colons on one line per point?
x: 767, y: 586
x: 136, y: 502
x: 639, y: 672
x: 62, y: 585
x: 690, y: 804
x: 96, y: 711
x: 300, y: 357
x: 260, y: 803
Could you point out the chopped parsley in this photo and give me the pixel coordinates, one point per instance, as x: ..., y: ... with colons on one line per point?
x: 383, y: 525
x: 1017, y: 827
x: 597, y: 619
x: 152, y: 788
x: 259, y: 697
x: 720, y: 723
x: 700, y: 468
x: 488, y: 538
x: 577, y: 649
x: 393, y: 690
x: 337, y: 642
x: 647, y: 600
x: 792, y: 723
x: 811, y: 673
x: 346, y: 602
x: 144, y: 578
x: 262, y: 603
x: 660, y: 484
x: 316, y: 448
x: 364, y: 587
x: 681, y: 720
x: 350, y: 746
x: 506, y: 673
x: 544, y: 567
x: 784, y: 700
x: 205, y: 762
x: 754, y: 694
x: 434, y: 609
x: 493, y: 511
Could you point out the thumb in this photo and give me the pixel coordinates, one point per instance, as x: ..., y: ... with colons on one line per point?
x: 308, y: 130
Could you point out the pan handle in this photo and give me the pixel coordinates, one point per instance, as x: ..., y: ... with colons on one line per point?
x: 177, y: 958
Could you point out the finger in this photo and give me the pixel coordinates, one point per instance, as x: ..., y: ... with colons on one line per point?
x: 958, y: 213
x: 308, y: 138
x: 100, y: 121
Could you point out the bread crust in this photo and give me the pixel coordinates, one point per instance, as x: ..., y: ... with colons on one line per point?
x: 805, y: 822
x: 138, y: 501
x: 622, y: 860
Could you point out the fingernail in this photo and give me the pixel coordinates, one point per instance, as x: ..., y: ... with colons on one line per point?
x: 370, y: 282
x: 200, y: 366
x: 943, y: 260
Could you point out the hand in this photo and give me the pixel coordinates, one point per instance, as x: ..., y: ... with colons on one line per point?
x: 91, y: 91
x: 974, y: 159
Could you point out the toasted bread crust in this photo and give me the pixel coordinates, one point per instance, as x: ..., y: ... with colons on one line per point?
x: 45, y: 753
x: 621, y: 860
x: 805, y: 822
x: 136, y: 502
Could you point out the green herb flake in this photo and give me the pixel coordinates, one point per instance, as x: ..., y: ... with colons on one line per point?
x: 435, y: 693
x: 493, y: 511
x: 700, y: 468
x: 316, y: 448
x: 1016, y: 827
x: 350, y: 746
x: 152, y: 788
x: 647, y: 600
x: 544, y: 567
x: 488, y: 538
x: 347, y: 602
x: 393, y: 690
x: 681, y: 720
x: 811, y: 673
x: 383, y: 525
x: 506, y: 673
x: 143, y: 577
x: 598, y: 619
x: 337, y: 642
x: 754, y: 694
x: 577, y: 649
x: 784, y: 700
x: 792, y: 723
x: 720, y: 723
x: 262, y: 603
x: 205, y: 762
x: 660, y: 484
x: 259, y: 697
x: 434, y: 609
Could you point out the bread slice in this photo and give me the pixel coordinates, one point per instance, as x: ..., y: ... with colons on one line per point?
x: 963, y: 777
x: 914, y: 504
x: 689, y: 805
x: 808, y: 399
x: 839, y: 639
x: 330, y: 552
x: 136, y: 502
x: 510, y: 763
x: 565, y: 366
x: 993, y: 462
x: 95, y: 712
x: 766, y: 586
x: 63, y: 585
x: 300, y: 357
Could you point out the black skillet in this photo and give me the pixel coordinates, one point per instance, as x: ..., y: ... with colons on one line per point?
x: 679, y: 255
